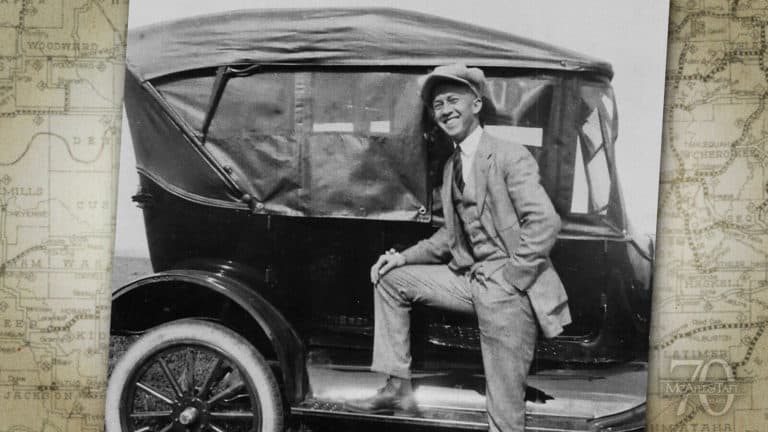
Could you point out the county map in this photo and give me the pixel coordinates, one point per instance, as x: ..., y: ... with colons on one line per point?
x: 709, y: 353
x: 61, y: 81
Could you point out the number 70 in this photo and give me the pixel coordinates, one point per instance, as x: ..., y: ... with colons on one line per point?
x: 701, y: 373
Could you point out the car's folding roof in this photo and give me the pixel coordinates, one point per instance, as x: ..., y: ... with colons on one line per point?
x: 344, y: 37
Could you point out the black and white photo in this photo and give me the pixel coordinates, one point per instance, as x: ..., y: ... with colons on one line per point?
x: 343, y: 214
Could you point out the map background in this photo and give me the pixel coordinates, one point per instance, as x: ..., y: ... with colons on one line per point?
x: 710, y: 308
x: 61, y: 86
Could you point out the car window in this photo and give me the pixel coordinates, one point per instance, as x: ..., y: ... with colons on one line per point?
x: 364, y: 144
x: 189, y: 97
x: 368, y: 104
x: 256, y: 104
x: 591, y: 191
x: 322, y: 143
x: 521, y: 108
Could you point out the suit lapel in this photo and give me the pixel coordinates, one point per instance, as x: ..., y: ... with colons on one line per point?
x: 449, y: 214
x: 482, y: 165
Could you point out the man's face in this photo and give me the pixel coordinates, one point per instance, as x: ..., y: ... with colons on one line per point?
x: 456, y: 110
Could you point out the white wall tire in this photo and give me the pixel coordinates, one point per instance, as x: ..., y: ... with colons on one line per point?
x: 230, y: 386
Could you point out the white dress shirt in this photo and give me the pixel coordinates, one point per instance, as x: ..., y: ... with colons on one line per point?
x: 468, y: 148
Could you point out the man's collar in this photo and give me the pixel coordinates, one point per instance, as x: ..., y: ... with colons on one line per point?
x: 470, y: 143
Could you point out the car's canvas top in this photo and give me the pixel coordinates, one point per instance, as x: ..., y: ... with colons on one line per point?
x: 345, y: 37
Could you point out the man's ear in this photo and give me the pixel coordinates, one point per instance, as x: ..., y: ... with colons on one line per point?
x: 477, y: 106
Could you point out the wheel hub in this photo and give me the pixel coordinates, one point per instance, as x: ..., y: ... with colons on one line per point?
x: 189, y: 415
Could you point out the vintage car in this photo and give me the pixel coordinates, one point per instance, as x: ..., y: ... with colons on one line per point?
x: 281, y: 151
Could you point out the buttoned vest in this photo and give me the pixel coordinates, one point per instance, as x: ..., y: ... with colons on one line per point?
x: 479, y: 242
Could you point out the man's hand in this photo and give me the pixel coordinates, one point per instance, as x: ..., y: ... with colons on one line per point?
x: 386, y: 262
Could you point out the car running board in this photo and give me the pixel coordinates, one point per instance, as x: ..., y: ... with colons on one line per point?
x: 470, y: 420
x: 433, y: 417
x: 556, y: 400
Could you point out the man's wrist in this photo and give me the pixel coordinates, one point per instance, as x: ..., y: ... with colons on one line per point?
x: 399, y: 257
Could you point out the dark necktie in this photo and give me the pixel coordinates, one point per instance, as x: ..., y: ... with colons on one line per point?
x: 458, y: 178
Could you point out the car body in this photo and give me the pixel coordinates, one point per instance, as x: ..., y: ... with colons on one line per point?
x: 281, y: 151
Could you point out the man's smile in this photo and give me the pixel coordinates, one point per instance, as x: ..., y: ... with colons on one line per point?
x: 451, y: 121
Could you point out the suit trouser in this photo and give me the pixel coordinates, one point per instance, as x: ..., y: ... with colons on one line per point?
x: 506, y: 321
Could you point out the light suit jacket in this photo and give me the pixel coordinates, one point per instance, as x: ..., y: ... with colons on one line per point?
x: 506, y: 177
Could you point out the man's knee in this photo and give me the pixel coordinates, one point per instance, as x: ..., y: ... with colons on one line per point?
x: 390, y: 277
x: 396, y: 282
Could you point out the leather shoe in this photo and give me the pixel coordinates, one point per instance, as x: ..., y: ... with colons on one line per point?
x: 396, y: 395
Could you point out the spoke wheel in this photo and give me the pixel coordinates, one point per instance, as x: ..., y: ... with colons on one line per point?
x: 192, y: 375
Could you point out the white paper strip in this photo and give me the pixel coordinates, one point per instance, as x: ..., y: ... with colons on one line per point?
x: 524, y: 135
x: 380, y: 127
x: 333, y: 127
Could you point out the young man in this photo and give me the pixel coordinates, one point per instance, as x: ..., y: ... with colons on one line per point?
x: 490, y: 258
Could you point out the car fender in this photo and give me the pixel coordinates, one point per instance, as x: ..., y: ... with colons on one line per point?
x: 183, y: 293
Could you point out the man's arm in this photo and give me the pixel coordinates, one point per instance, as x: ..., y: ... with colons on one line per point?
x: 424, y: 252
x: 539, y: 222
x: 433, y: 250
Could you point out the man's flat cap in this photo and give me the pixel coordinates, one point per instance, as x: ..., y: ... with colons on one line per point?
x: 473, y: 78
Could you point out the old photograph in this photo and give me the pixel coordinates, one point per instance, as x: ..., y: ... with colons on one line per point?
x: 338, y: 215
